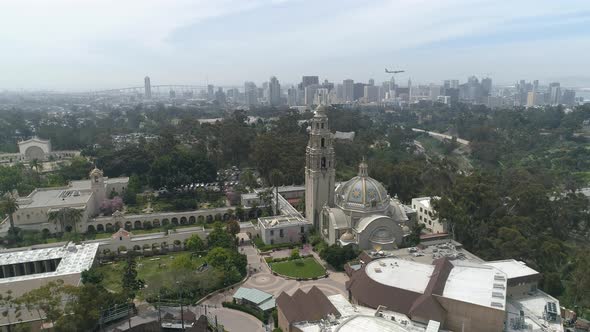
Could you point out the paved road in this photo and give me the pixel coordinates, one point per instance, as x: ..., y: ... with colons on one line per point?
x: 449, y: 137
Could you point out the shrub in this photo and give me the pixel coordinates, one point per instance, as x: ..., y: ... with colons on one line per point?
x: 295, y: 253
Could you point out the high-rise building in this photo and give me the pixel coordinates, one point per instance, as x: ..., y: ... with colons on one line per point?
x: 340, y: 92
x: 348, y: 90
x: 210, y: 92
x: 568, y: 97
x: 358, y: 91
x: 486, y: 87
x: 307, y: 81
x: 322, y: 96
x: 274, y: 92
x: 371, y: 94
x: 292, y: 96
x: 309, y: 96
x: 220, y: 96
x: 148, y: 87
x: 250, y: 93
x: 371, y: 81
x: 554, y: 93
x: 434, y: 91
x: 454, y: 84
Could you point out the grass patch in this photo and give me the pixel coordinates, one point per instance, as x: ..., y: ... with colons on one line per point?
x: 306, y: 267
x: 147, y: 267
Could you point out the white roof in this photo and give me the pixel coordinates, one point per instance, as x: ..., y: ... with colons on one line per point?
x: 513, y: 268
x: 56, y: 198
x: 477, y: 284
x: 346, y: 309
x: 400, y: 273
x: 369, y: 324
x: 74, y: 259
x: 425, y: 201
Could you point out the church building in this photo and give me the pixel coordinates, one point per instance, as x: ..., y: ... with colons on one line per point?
x: 359, y: 211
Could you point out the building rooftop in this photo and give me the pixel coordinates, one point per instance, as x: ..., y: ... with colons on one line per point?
x: 477, y: 284
x: 400, y: 273
x: 513, y: 268
x: 75, y: 258
x: 55, y: 198
x: 262, y: 299
x: 533, y: 308
x: 425, y: 201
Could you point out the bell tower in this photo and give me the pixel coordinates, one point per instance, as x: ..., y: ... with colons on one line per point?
x: 320, y: 166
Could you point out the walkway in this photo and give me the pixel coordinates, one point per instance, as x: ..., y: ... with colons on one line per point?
x: 261, y: 278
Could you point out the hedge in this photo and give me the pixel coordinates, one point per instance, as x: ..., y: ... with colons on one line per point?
x: 267, y: 247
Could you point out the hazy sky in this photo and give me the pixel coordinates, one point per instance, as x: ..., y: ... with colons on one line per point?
x: 93, y: 44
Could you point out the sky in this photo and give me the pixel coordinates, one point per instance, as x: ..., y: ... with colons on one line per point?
x: 83, y: 45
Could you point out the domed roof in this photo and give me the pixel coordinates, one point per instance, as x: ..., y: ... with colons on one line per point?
x: 362, y: 192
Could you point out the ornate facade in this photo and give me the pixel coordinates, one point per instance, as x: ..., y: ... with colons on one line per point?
x: 359, y: 211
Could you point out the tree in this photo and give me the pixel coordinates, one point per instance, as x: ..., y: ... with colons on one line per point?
x: 220, y: 238
x: 295, y: 253
x: 9, y: 206
x: 130, y: 282
x: 66, y: 217
x: 195, y: 243
x: 9, y: 306
x: 36, y: 165
x: 92, y: 276
x: 47, y: 298
x: 233, y: 227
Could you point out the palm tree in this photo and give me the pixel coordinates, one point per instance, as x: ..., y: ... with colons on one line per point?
x: 36, y: 165
x: 66, y: 216
x: 9, y: 205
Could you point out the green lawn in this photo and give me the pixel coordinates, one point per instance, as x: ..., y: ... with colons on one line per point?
x: 300, y: 268
x: 147, y: 267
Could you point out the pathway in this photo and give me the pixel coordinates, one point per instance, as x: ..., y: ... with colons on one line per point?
x: 261, y: 278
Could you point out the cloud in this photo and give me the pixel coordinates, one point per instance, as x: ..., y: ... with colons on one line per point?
x: 81, y: 44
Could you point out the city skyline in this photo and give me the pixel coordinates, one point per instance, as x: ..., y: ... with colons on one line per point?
x: 70, y: 46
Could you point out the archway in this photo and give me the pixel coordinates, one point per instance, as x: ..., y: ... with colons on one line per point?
x: 34, y: 152
x: 147, y: 224
x: 117, y: 225
x: 68, y: 229
x: 209, y: 218
x: 128, y: 225
x: 192, y: 220
x: 91, y: 229
x: 100, y: 228
x: 200, y: 219
x: 136, y: 248
x: 175, y: 221
x: 183, y: 221
x: 156, y: 223
x: 109, y: 227
x: 137, y: 224
x: 225, y: 217
x: 218, y: 217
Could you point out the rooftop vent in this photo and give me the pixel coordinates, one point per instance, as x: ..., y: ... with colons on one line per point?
x: 497, y: 305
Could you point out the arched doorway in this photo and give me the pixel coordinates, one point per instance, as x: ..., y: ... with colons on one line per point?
x: 183, y: 221
x: 100, y: 228
x: 91, y: 229
x: 109, y: 227
x: 128, y: 225
x: 192, y: 220
x: 175, y: 221
x: 137, y: 224
x: 147, y: 224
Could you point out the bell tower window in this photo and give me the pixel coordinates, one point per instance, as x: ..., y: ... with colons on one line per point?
x: 322, y: 125
x: 323, y: 141
x: 323, y: 162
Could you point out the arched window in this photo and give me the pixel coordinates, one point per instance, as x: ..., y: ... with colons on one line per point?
x: 322, y: 125
x: 323, y: 162
x: 323, y: 142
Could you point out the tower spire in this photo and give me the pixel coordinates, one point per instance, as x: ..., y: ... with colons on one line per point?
x: 363, y: 168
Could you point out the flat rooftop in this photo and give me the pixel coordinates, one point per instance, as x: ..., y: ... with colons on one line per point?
x: 75, y: 258
x: 55, y: 198
x: 400, y: 273
x: 513, y: 268
x: 476, y: 283
x: 434, y: 250
x: 281, y: 221
x: 533, y: 307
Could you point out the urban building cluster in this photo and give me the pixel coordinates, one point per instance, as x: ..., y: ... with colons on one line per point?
x: 311, y: 91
